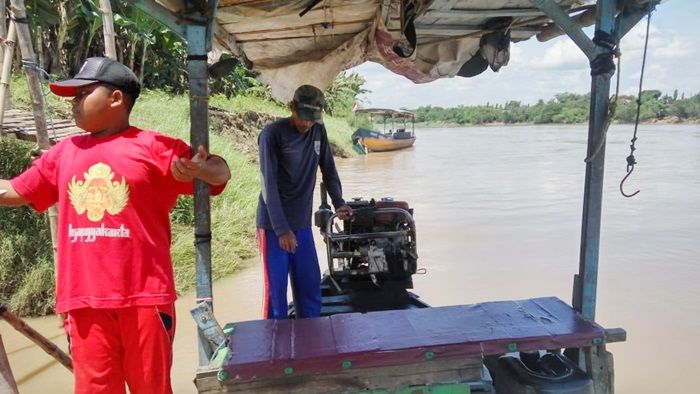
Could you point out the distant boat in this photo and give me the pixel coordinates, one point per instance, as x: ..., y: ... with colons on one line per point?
x: 367, y: 140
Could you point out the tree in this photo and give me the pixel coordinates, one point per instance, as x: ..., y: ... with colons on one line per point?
x: 342, y: 91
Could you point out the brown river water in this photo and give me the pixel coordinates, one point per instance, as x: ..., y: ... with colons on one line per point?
x: 498, y: 215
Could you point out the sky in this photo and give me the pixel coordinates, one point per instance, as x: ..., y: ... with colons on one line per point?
x: 539, y: 70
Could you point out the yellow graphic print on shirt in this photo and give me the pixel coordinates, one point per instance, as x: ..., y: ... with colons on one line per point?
x: 97, y: 193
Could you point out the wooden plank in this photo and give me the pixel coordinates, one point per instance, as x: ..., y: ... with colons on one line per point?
x: 483, y: 13
x: 48, y: 346
x: 458, y: 30
x: 335, y: 28
x: 21, y: 124
x: 251, y: 20
x: 432, y: 372
x: 439, y: 6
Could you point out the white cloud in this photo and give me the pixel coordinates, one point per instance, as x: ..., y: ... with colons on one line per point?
x: 563, y: 55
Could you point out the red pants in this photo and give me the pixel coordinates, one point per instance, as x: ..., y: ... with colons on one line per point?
x: 111, y: 347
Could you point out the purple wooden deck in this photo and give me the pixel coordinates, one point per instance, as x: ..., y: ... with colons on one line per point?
x: 266, y: 348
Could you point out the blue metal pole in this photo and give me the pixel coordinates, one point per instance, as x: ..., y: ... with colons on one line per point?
x: 199, y: 135
x: 585, y: 289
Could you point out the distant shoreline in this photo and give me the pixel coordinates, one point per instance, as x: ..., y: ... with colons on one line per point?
x: 664, y: 121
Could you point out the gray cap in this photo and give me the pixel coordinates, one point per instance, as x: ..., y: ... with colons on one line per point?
x: 99, y: 69
x: 308, y: 103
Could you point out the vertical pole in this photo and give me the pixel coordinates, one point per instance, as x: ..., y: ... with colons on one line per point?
x: 24, y: 40
x: 199, y: 135
x: 7, y: 380
x: 3, y: 26
x: 3, y: 34
x: 108, y: 29
x: 9, y: 50
x: 587, y: 281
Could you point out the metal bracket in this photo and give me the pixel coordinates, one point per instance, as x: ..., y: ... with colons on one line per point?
x: 628, y: 19
x: 208, y: 325
x: 572, y: 29
x: 162, y: 15
x: 179, y: 23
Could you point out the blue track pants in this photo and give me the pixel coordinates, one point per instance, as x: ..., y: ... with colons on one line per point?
x: 301, y: 266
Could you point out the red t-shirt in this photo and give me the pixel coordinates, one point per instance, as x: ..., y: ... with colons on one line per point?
x: 114, y: 197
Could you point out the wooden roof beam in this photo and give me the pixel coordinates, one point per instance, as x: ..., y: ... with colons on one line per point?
x: 482, y: 13
x: 458, y: 30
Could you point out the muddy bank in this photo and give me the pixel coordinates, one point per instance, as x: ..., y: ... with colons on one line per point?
x: 243, y: 128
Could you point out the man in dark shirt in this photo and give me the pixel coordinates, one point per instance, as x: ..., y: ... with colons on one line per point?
x: 291, y: 151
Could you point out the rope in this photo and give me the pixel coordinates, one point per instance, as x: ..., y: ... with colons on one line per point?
x: 603, y: 63
x: 631, y: 161
x: 202, y: 238
x: 612, y: 107
x: 46, y: 77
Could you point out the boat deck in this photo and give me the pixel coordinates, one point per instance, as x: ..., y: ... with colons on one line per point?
x: 274, y: 351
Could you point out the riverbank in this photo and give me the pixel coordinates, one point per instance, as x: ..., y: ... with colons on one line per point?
x: 448, y: 125
x: 27, y: 285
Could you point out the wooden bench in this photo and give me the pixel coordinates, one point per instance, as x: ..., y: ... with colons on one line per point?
x: 385, y: 350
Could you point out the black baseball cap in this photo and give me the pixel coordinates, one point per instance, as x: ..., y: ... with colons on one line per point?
x: 99, y: 69
x: 308, y: 103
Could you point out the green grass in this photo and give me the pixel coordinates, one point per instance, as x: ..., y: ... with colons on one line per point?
x: 26, y: 262
x: 232, y: 214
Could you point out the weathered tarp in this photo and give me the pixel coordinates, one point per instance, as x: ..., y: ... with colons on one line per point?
x: 422, y: 40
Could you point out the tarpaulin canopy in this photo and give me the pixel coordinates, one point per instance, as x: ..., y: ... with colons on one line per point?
x: 298, y: 42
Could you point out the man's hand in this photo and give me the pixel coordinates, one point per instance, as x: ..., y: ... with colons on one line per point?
x: 288, y: 242
x: 344, y: 212
x: 185, y: 170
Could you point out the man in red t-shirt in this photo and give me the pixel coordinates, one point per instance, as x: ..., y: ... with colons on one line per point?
x: 114, y: 188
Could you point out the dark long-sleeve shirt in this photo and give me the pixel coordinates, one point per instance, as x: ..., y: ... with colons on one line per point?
x: 289, y: 161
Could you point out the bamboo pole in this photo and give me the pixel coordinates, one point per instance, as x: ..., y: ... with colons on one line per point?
x: 3, y: 27
x: 3, y: 35
x: 7, y: 380
x: 28, y: 59
x: 108, y: 29
x: 9, y: 47
x: 48, y: 346
x: 31, y: 70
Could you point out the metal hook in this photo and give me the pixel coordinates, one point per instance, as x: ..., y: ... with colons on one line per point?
x: 630, y: 169
x: 630, y: 159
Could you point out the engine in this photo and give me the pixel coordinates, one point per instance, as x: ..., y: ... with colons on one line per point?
x: 375, y: 248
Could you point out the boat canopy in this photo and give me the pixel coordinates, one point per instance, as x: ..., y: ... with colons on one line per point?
x: 385, y: 112
x: 298, y: 42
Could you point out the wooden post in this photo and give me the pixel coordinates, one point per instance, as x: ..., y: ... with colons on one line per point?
x: 29, y: 61
x: 48, y: 346
x: 9, y: 50
x: 7, y: 380
x: 3, y: 35
x: 3, y: 27
x: 108, y: 29
x: 24, y: 40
